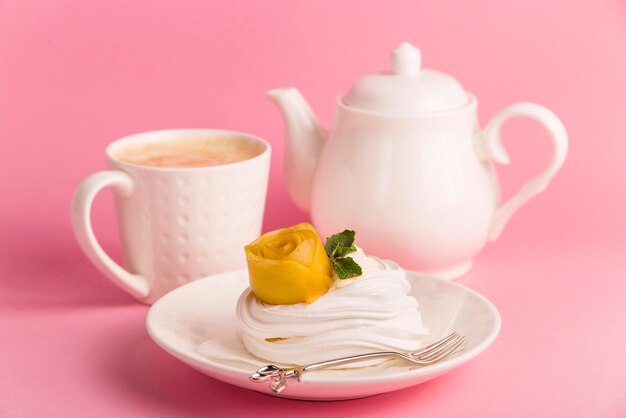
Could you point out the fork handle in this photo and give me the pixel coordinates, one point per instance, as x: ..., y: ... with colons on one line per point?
x: 347, y: 360
x: 279, y: 377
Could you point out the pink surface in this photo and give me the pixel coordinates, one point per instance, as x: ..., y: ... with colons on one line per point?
x: 75, y: 75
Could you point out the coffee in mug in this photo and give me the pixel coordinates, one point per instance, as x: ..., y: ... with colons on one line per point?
x: 191, y: 151
x: 187, y: 201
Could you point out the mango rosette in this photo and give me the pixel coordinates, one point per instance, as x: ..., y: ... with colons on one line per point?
x: 289, y: 266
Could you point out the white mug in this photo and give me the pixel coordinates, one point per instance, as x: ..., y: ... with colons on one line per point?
x: 176, y: 224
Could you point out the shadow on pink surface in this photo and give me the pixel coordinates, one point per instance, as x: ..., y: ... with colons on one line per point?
x: 52, y: 274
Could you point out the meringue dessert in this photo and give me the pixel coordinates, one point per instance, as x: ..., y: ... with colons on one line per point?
x: 309, y: 302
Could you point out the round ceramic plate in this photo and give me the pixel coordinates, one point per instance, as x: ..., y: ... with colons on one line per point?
x: 196, y: 324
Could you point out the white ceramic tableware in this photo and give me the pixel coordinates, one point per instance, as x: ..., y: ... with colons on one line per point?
x: 176, y: 224
x: 407, y: 166
x: 185, y: 320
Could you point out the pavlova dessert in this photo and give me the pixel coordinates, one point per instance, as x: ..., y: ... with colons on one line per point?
x: 309, y: 302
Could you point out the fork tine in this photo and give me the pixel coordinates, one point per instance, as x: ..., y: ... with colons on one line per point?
x: 441, y: 348
x: 435, y: 345
x: 443, y: 351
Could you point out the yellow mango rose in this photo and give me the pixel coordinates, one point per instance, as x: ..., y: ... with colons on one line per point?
x: 289, y: 266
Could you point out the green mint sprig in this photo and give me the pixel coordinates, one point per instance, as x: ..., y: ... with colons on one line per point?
x: 337, y: 248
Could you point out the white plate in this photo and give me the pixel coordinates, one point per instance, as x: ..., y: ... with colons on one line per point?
x: 181, y: 321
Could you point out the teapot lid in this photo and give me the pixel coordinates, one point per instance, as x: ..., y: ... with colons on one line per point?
x: 407, y: 89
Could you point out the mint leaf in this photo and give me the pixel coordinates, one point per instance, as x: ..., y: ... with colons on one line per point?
x: 340, y: 245
x: 337, y: 247
x: 342, y: 251
x: 346, y: 268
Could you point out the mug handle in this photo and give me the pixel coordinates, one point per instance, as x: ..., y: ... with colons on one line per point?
x: 123, y: 184
x: 491, y: 149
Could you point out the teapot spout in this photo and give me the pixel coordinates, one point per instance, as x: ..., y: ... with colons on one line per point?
x: 305, y: 140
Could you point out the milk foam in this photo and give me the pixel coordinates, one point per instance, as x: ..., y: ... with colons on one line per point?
x: 192, y: 151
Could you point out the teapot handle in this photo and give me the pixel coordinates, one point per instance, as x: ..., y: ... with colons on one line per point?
x: 490, y: 149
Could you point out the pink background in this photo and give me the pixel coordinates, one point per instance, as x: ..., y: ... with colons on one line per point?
x: 75, y: 75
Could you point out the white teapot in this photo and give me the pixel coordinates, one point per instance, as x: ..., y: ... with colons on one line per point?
x: 407, y: 166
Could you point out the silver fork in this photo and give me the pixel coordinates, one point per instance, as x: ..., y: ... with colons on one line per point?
x: 279, y: 377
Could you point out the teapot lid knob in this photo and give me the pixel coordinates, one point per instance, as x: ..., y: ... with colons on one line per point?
x: 406, y: 60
